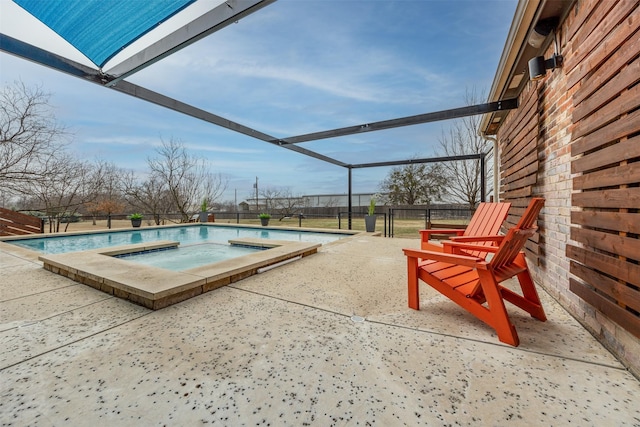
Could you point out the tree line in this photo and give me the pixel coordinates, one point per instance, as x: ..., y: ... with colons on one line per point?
x: 39, y: 173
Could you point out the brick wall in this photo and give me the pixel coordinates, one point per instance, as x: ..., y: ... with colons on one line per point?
x: 554, y: 180
x: 595, y: 32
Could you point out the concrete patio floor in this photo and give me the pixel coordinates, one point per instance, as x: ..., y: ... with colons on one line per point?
x: 281, y: 348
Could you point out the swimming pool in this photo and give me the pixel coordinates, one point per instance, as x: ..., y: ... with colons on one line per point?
x: 93, y: 258
x: 183, y: 258
x: 186, y: 235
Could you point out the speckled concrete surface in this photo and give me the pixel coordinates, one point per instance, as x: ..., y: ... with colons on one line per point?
x: 280, y: 348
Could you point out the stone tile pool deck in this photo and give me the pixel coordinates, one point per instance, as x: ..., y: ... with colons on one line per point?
x: 281, y: 348
x: 157, y: 288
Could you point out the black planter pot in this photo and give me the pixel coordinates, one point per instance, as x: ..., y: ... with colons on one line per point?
x: 370, y: 223
x: 136, y: 222
x: 264, y: 221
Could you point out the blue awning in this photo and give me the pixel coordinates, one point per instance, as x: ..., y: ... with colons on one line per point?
x: 102, y: 28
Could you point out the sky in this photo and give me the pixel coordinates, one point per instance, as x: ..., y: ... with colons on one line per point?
x: 293, y: 67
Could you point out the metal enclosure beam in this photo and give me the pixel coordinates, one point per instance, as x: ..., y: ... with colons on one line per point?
x: 48, y: 59
x: 472, y: 110
x: 411, y: 161
x: 479, y: 156
x: 181, y: 107
x: 31, y: 53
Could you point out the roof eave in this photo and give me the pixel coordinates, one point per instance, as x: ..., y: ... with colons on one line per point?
x: 512, y: 74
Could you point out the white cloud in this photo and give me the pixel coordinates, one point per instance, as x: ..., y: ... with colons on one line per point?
x: 221, y: 149
x: 120, y: 140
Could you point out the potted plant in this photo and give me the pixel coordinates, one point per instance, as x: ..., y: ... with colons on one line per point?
x: 370, y: 218
x: 204, y: 215
x: 264, y: 218
x: 136, y: 219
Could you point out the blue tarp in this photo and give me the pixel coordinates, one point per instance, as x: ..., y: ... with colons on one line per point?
x: 102, y: 28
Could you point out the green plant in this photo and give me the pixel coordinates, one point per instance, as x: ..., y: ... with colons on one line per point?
x: 372, y: 206
x: 135, y: 216
x: 203, y: 206
x: 264, y: 216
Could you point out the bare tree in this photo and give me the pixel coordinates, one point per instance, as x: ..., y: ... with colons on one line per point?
x: 288, y: 204
x: 213, y: 186
x: 269, y: 196
x: 29, y: 135
x: 413, y: 184
x: 109, y: 197
x: 67, y: 185
x: 186, y: 178
x: 463, y: 177
x: 282, y: 201
x: 149, y: 195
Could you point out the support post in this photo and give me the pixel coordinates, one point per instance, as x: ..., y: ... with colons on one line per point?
x: 483, y: 179
x: 350, y: 207
x: 256, y: 187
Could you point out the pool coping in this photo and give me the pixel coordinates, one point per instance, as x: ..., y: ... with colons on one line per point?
x: 157, y: 288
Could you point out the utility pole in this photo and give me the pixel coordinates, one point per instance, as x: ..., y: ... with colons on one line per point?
x: 256, y: 187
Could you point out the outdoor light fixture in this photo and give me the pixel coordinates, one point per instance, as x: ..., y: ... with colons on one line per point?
x: 542, y: 29
x: 538, y: 66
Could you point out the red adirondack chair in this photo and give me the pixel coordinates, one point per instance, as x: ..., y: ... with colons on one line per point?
x: 486, y: 221
x: 473, y: 282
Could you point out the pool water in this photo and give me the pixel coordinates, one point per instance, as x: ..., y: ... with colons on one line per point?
x: 186, y: 235
x: 190, y: 256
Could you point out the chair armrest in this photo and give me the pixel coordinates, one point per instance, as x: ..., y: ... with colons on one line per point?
x: 469, y: 261
x: 455, y: 248
x: 427, y: 233
x: 466, y: 239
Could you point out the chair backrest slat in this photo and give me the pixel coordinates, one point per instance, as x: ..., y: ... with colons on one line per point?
x: 517, y: 236
x: 486, y: 221
x: 530, y: 216
x: 512, y: 244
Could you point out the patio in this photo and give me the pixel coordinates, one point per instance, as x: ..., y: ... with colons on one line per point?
x: 281, y: 348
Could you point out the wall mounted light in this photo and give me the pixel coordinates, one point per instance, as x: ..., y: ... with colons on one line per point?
x: 538, y: 66
x: 543, y: 28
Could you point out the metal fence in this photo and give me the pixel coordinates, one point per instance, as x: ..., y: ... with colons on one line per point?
x: 347, y: 222
x: 392, y: 222
x: 428, y: 217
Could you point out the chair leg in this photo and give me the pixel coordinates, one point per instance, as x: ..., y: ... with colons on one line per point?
x: 412, y: 280
x: 500, y: 319
x: 529, y: 301
x: 531, y: 295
